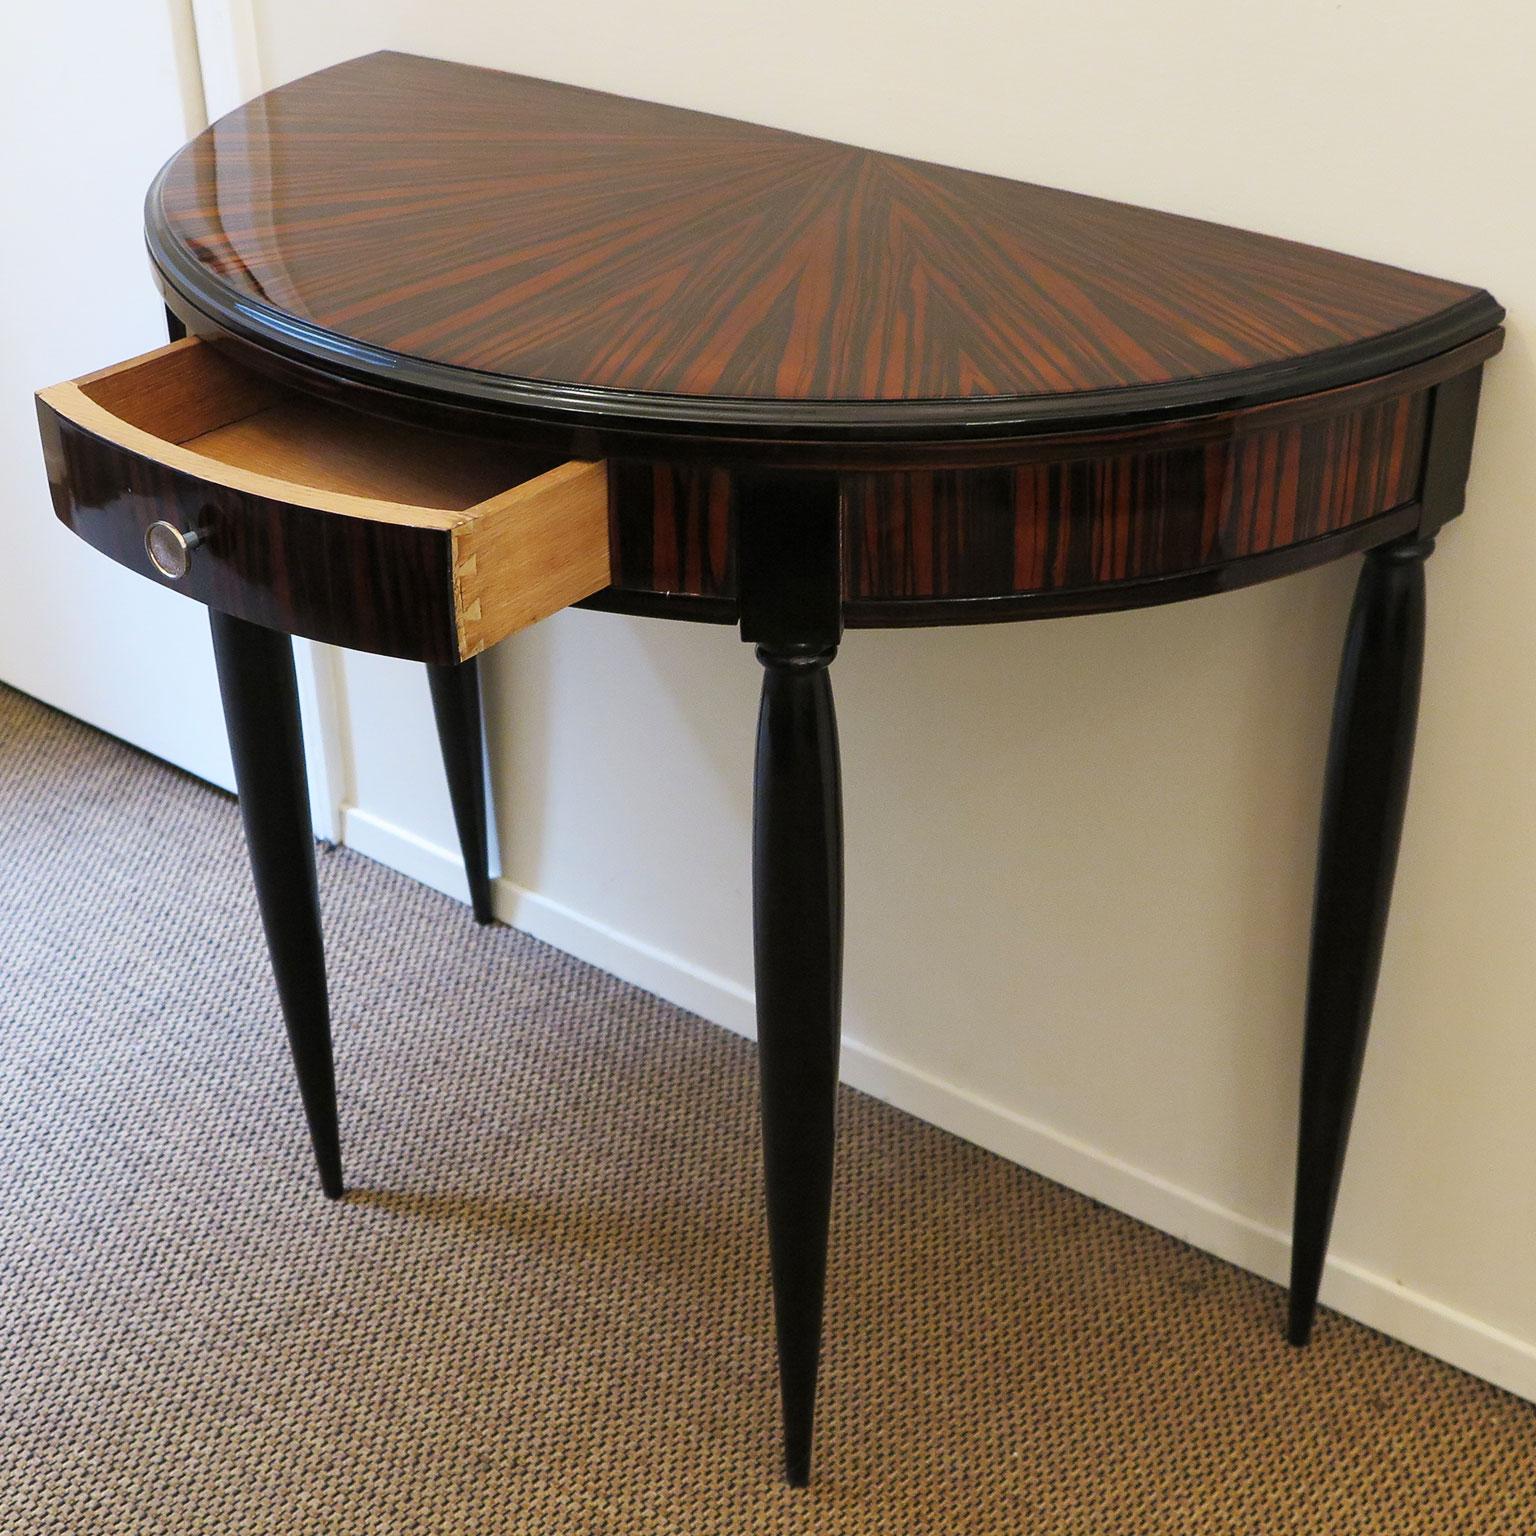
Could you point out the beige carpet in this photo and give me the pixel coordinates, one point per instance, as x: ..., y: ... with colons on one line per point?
x: 544, y: 1308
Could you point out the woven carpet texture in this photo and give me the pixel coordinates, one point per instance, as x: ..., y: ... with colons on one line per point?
x: 544, y: 1308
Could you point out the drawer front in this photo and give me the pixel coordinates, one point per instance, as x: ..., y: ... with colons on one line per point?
x: 315, y: 519
x: 350, y: 581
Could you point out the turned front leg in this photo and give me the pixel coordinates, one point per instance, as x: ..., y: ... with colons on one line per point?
x: 797, y: 886
x: 789, y: 578
x: 1364, y: 796
x: 261, y: 713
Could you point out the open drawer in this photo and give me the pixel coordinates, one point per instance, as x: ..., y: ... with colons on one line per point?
x: 314, y: 519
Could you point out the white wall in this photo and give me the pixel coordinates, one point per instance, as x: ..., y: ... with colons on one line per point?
x: 1080, y: 852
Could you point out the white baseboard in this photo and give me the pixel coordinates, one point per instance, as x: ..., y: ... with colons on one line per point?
x: 1378, y: 1302
x: 391, y: 844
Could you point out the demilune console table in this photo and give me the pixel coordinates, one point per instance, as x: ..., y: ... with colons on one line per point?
x: 456, y: 349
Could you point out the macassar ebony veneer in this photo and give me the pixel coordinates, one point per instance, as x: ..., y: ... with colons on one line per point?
x: 488, y: 240
x: 1077, y: 522
x: 317, y: 520
x: 463, y: 348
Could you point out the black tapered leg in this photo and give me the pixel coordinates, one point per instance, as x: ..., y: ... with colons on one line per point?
x: 456, y: 703
x: 790, y: 591
x: 1364, y: 795
x: 798, y: 934
x: 261, y: 714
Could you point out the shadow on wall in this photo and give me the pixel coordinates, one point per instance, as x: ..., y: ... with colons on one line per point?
x: 1079, y: 851
x: 1080, y: 864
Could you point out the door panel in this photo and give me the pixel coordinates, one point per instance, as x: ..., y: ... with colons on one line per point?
x: 85, y: 121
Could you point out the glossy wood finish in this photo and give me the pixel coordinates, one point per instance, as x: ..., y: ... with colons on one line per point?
x: 317, y: 520
x: 266, y: 742
x: 1130, y: 516
x: 671, y: 528
x: 1083, y: 522
x: 456, y: 704
x: 791, y: 609
x: 1448, y: 455
x: 1364, y: 797
x: 842, y: 386
x: 460, y: 736
x: 589, y: 259
x: 399, y: 597
x: 797, y: 885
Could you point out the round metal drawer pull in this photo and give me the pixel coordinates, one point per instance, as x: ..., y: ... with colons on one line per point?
x: 169, y: 549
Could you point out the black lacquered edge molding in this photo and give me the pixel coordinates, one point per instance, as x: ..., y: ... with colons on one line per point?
x: 1114, y: 597
x: 804, y: 421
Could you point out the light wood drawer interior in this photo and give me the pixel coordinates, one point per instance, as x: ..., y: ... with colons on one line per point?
x: 506, y: 536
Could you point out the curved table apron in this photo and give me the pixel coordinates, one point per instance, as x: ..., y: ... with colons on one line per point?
x: 466, y: 348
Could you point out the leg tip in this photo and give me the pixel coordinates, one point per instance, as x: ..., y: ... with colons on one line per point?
x: 797, y: 1457
x: 1298, y: 1330
x: 331, y: 1181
